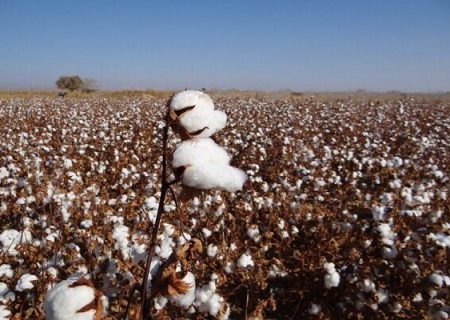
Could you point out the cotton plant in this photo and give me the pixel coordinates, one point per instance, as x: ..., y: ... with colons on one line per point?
x: 199, y: 164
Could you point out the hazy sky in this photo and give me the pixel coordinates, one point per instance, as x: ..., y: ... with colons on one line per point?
x: 298, y: 45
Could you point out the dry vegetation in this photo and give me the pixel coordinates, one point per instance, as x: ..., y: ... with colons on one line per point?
x: 363, y: 185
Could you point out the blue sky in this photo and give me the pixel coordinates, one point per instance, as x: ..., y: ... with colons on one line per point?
x: 299, y: 45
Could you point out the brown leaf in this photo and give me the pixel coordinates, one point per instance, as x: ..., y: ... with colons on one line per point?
x: 82, y: 282
x: 177, y: 286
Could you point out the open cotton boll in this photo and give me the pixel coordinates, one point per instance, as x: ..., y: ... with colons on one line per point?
x: 4, y: 313
x: 197, y: 152
x: 245, y: 260
x: 332, y: 277
x: 190, y: 98
x: 222, y: 177
x: 216, y: 122
x: 196, y: 119
x: 186, y: 299
x: 67, y: 300
x: 26, y: 282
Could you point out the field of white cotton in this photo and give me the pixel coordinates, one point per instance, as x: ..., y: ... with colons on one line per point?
x: 341, y: 209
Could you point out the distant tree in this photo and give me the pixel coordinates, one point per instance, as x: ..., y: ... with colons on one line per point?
x: 89, y: 85
x: 69, y: 83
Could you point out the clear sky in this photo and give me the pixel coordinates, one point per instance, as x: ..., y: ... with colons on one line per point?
x: 248, y: 44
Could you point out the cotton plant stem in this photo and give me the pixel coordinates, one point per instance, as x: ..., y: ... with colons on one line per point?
x: 145, y: 305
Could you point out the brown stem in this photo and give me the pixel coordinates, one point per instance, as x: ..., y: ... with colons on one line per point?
x: 130, y: 298
x: 145, y: 304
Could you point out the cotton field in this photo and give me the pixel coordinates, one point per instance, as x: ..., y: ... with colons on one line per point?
x: 345, y: 212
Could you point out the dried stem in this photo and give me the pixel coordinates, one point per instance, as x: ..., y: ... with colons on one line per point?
x: 145, y: 304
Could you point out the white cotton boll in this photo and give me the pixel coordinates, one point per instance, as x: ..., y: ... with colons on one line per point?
x: 220, y: 177
x: 10, y: 238
x: 213, y: 305
x: 212, y: 250
x: 165, y: 249
x: 436, y: 279
x: 245, y: 260
x: 196, y: 119
x: 332, y: 277
x: 206, y: 233
x: 3, y: 289
x: 382, y: 295
x: 368, y: 285
x: 378, y: 212
x: 216, y: 122
x: 386, y: 234
x: 67, y: 163
x: 198, y: 152
x: 6, y: 270
x: 186, y: 299
x: 190, y: 98
x: 201, y: 112
x: 120, y: 235
x: 253, y: 233
x: 64, y: 301
x: 26, y: 282
x: 208, y: 301
x: 314, y: 309
x: 4, y: 173
x: 229, y: 267
x: 4, y: 313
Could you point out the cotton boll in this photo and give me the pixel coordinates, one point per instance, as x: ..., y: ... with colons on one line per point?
x: 368, y: 285
x: 378, y: 213
x: 332, y: 277
x: 193, y: 109
x: 245, y: 260
x: 198, y: 152
x: 206, y: 233
x: 314, y: 309
x: 253, y: 233
x: 186, y: 299
x: 64, y: 301
x: 190, y: 98
x: 195, y: 112
x: 216, y: 122
x: 196, y: 119
x: 3, y: 289
x: 212, y: 250
x: 6, y: 270
x: 221, y: 177
x: 10, y: 238
x: 436, y: 279
x: 4, y: 313
x: 26, y: 282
